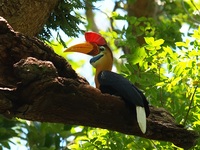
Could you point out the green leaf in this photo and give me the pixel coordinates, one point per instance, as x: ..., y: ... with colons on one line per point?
x: 138, y: 55
x: 180, y: 68
x: 149, y: 40
x: 160, y: 84
x: 158, y: 42
x: 153, y: 44
x: 196, y: 34
x: 184, y: 44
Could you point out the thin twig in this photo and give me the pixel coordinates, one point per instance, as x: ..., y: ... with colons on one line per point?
x: 190, y: 106
x: 195, y: 6
x: 161, y: 98
x: 192, y: 18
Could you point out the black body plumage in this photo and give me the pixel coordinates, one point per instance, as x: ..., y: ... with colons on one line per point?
x: 116, y: 84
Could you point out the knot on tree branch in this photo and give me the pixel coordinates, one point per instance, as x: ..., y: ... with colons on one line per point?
x: 31, y: 69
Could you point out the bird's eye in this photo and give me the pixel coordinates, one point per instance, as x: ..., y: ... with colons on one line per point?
x: 102, y: 48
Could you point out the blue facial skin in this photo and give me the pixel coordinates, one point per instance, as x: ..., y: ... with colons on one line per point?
x: 95, y: 58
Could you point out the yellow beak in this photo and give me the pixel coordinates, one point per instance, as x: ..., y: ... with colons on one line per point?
x: 86, y: 48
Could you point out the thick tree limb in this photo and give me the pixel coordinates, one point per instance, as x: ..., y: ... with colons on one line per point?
x: 27, y: 16
x: 36, y: 84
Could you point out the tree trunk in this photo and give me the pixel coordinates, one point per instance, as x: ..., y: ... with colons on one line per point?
x: 36, y: 84
x: 90, y: 16
x: 142, y: 8
x: 27, y: 16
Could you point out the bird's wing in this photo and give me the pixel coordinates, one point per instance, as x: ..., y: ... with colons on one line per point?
x: 115, y: 84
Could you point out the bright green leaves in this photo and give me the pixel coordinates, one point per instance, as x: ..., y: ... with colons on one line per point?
x: 186, y: 79
x: 168, y: 76
x: 101, y: 139
x: 138, y: 28
x: 137, y: 57
x: 153, y: 44
x: 183, y: 44
x: 8, y: 130
x: 62, y: 19
x: 180, y: 68
x: 58, y: 48
x: 50, y: 136
x: 93, y: 139
x: 196, y: 34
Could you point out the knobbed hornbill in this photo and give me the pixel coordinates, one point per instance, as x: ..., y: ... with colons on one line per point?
x: 110, y: 82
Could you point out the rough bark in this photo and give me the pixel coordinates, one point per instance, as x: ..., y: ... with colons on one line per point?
x: 37, y: 84
x: 27, y: 16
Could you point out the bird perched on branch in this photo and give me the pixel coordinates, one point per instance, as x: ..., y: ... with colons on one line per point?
x: 110, y: 82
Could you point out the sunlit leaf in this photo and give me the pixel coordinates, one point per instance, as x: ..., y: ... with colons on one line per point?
x: 158, y: 42
x: 196, y: 34
x: 138, y: 55
x: 184, y: 44
x: 160, y: 84
x: 149, y: 40
x: 180, y: 68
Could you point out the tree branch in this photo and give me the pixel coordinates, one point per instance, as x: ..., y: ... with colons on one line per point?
x: 37, y: 84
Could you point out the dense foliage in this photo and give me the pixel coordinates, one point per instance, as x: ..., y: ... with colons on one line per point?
x: 165, y: 67
x: 64, y: 18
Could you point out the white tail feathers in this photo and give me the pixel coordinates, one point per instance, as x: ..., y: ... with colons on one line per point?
x: 141, y: 118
